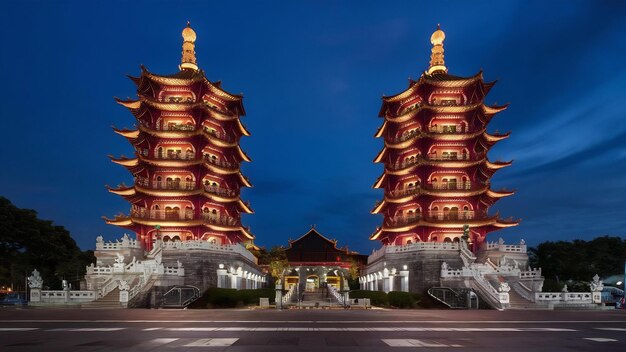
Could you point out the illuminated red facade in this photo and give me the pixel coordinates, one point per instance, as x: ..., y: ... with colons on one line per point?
x: 186, y: 167
x: 437, y: 174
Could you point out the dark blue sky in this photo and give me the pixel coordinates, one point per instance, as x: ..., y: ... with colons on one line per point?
x: 312, y: 74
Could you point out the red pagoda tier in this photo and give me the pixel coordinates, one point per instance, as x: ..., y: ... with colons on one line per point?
x: 187, y: 158
x: 437, y: 174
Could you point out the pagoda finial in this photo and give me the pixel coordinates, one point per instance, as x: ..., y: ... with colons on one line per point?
x: 188, y: 60
x: 437, y: 64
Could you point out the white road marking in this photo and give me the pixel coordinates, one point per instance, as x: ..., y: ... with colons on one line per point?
x: 415, y: 343
x: 612, y: 329
x: 438, y: 322
x: 151, y: 329
x: 18, y: 329
x: 221, y: 342
x: 384, y: 329
x: 599, y: 339
x: 157, y: 342
x: 86, y: 329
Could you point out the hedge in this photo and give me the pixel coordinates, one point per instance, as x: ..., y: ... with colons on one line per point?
x: 230, y: 298
x: 395, y: 299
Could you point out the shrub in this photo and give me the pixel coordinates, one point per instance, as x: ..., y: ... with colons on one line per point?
x: 377, y: 298
x: 399, y: 299
x: 230, y: 298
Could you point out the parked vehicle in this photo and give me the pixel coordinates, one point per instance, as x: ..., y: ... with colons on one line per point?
x: 14, y: 299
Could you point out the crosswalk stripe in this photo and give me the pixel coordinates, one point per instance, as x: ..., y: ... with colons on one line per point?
x: 416, y: 343
x: 215, y: 342
x: 86, y: 329
x: 599, y: 339
x: 611, y: 329
x: 378, y: 329
x: 18, y: 329
x: 157, y: 342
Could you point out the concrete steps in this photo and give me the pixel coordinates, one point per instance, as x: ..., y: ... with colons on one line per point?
x: 111, y: 300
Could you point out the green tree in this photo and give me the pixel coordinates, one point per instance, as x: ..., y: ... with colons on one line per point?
x: 27, y: 243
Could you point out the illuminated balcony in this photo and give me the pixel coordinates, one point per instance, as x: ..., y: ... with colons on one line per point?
x: 220, y: 163
x: 165, y: 185
x: 451, y: 215
x: 403, y: 220
x: 220, y: 191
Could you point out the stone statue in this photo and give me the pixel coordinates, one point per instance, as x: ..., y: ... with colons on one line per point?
x: 596, y: 285
x: 99, y: 239
x: 504, y: 287
x: 444, y: 266
x: 179, y: 264
x: 522, y: 242
x: 34, y: 280
x: 123, y: 285
x: 500, y: 241
x: 466, y: 231
x: 119, y: 258
x: 564, y: 289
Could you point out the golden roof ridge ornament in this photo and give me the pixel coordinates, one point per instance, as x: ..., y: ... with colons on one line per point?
x: 188, y: 60
x: 437, y: 64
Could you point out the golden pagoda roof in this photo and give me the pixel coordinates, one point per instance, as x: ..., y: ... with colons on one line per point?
x: 130, y: 104
x: 130, y: 134
x: 124, y: 161
x: 437, y: 80
x: 497, y: 164
x: 379, y: 181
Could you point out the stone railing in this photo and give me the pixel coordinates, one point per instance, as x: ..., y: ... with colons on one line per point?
x: 338, y: 296
x: 125, y: 243
x: 558, y: 297
x: 67, y: 296
x: 204, y: 245
x: 418, y: 246
x: 511, y: 248
x: 220, y: 163
x: 530, y: 274
x: 110, y: 284
x: 287, y: 297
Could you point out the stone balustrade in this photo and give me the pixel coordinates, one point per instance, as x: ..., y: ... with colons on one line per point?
x: 125, y: 243
x: 61, y: 296
x: 205, y: 245
x: 530, y: 274
x: 559, y: 297
x: 500, y: 246
x: 418, y: 246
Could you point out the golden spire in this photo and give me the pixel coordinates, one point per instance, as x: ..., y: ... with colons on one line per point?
x: 189, y: 54
x: 437, y: 65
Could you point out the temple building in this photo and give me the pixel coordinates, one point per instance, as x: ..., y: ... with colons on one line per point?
x: 186, y: 165
x: 316, y: 261
x: 437, y: 174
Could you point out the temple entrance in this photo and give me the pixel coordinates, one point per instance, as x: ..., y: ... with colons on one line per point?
x: 312, y: 282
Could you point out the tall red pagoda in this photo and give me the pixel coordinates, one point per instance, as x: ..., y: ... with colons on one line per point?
x: 437, y: 174
x: 186, y: 168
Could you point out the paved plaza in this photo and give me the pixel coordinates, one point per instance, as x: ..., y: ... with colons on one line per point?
x: 311, y: 330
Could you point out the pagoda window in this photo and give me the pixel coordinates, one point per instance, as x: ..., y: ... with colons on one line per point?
x: 456, y: 240
x: 435, y: 239
x: 166, y: 238
x: 447, y: 239
x: 160, y: 153
x: 452, y: 183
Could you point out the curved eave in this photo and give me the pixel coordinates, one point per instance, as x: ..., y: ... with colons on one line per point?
x: 220, y: 170
x: 380, y: 155
x: 244, y: 180
x: 242, y: 128
x: 452, y: 137
x: 504, y: 224
x: 379, y: 181
x: 243, y: 155
x: 493, y: 138
x: 437, y: 193
x: 376, y: 234
x: 451, y: 224
x: 381, y: 130
x: 125, y: 161
x: 123, y: 191
x: 172, y: 81
x: 245, y: 208
x: 441, y: 163
x: 491, y: 110
x: 378, y: 208
x: 124, y: 221
x: 171, y: 163
x: 170, y: 106
x: 453, y: 109
x: 130, y: 134
x: 499, y: 194
x: 130, y: 104
x: 456, y: 83
x: 219, y: 142
x: 498, y: 164
x: 219, y: 115
x: 247, y: 233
